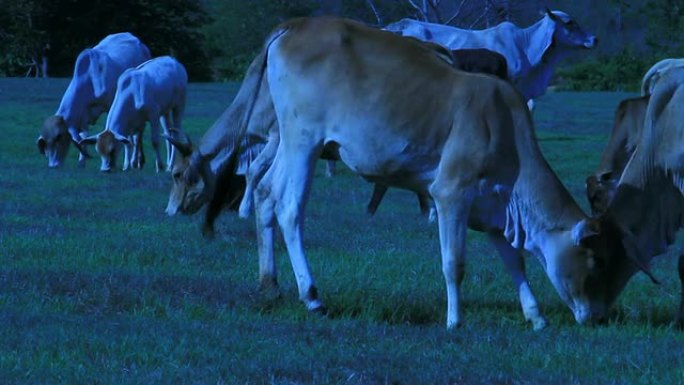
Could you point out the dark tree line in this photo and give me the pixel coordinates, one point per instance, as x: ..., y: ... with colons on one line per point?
x: 55, y: 31
x: 216, y: 39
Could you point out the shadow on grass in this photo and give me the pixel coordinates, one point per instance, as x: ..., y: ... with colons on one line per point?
x: 119, y: 292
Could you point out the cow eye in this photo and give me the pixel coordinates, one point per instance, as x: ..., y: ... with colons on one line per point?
x: 177, y: 175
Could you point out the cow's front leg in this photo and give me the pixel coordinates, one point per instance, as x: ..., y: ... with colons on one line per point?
x: 452, y: 219
x: 155, y: 127
x: 265, y: 226
x: 515, y: 264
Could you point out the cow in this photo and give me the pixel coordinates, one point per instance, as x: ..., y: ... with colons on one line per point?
x: 89, y: 94
x: 531, y: 53
x: 656, y: 72
x: 624, y: 137
x: 154, y: 91
x: 396, y: 114
x: 647, y: 209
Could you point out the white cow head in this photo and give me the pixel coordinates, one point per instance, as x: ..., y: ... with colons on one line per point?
x: 54, y: 139
x: 107, y: 144
x: 568, y: 32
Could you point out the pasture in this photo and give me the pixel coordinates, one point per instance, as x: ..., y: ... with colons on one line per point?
x: 99, y: 286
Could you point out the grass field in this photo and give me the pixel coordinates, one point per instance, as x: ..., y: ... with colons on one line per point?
x: 99, y: 286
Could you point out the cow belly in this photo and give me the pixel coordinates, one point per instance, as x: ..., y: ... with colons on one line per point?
x: 396, y: 165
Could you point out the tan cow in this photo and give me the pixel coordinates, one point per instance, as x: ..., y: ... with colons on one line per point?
x: 648, y: 206
x: 398, y: 115
x: 627, y: 125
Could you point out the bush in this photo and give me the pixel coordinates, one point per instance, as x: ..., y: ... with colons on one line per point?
x: 621, y: 72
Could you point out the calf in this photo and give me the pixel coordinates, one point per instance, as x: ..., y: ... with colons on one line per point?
x: 155, y: 92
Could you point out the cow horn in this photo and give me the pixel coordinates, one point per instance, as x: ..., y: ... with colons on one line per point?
x: 183, y: 145
x: 78, y: 144
x: 633, y: 252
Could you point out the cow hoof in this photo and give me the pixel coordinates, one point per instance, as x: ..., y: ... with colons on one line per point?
x: 208, y: 232
x: 539, y: 323
x: 320, y: 310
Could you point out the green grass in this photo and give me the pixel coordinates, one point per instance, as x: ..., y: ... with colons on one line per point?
x: 99, y: 286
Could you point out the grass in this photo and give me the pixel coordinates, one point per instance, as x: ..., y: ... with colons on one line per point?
x: 98, y: 286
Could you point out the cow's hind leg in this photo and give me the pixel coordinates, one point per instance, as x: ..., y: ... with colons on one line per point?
x: 680, y: 316
x: 515, y: 264
x: 290, y: 180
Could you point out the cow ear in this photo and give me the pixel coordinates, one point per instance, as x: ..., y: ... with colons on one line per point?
x: 629, y: 242
x: 40, y: 142
x: 584, y: 229
x: 180, y: 140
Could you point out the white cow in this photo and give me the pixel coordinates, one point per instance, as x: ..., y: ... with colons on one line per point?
x: 656, y: 72
x: 398, y: 115
x: 531, y: 52
x: 89, y: 94
x: 155, y: 92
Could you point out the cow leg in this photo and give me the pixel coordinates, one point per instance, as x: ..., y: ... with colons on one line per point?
x: 255, y: 173
x: 155, y: 126
x: 265, y: 224
x: 515, y: 264
x: 378, y: 193
x: 81, y: 156
x: 452, y: 219
x: 680, y: 317
x: 129, y: 154
x: 138, y: 158
x: 330, y: 168
x: 165, y: 122
x: 290, y: 178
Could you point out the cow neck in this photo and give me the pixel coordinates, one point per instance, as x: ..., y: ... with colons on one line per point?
x: 538, y: 39
x: 540, y: 208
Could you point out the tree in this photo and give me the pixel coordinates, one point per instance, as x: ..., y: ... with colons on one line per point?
x: 68, y: 26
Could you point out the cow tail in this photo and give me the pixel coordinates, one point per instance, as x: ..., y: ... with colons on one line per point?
x: 230, y: 187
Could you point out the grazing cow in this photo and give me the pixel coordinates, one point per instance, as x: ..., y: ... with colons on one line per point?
x: 397, y: 114
x: 531, y: 52
x: 155, y: 92
x: 648, y: 206
x: 89, y: 94
x: 629, y: 120
x: 656, y: 72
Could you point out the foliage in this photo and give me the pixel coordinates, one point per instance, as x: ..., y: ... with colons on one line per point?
x: 621, y: 72
x: 167, y: 27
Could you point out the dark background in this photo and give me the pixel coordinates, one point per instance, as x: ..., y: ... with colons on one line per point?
x: 217, y: 39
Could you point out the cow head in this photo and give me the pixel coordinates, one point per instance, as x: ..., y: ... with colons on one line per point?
x: 53, y: 141
x: 107, y: 144
x: 568, y: 33
x: 191, y: 183
x: 600, y: 191
x: 606, y: 256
